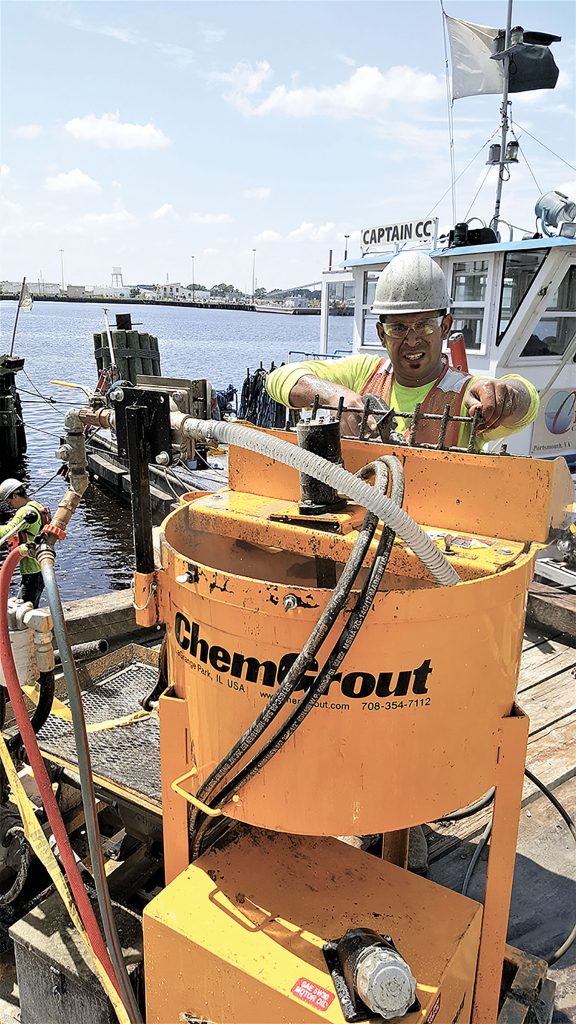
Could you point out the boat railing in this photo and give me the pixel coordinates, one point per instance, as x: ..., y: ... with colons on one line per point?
x: 337, y: 354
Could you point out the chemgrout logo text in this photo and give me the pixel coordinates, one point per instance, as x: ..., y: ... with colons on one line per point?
x: 355, y: 685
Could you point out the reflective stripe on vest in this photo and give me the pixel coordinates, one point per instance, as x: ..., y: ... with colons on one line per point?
x: 448, y: 390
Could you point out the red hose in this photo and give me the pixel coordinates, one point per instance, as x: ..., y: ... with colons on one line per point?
x: 41, y: 775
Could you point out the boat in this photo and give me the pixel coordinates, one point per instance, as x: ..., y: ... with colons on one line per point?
x: 514, y: 299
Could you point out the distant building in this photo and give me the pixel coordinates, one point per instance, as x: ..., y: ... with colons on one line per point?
x: 106, y: 291
x: 76, y: 291
x: 181, y: 293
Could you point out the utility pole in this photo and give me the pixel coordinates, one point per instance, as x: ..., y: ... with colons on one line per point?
x: 346, y: 237
x: 503, y: 121
x: 61, y: 251
x: 253, y: 273
x: 192, y: 258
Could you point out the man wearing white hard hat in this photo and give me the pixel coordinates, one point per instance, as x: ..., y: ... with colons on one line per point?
x: 413, y: 304
x: 22, y: 528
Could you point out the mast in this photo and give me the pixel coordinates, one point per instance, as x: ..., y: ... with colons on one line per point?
x: 503, y: 121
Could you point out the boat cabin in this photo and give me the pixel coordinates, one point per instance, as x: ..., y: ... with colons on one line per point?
x: 515, y: 303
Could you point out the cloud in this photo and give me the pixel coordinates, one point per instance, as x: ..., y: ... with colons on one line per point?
x: 4, y: 170
x: 261, y: 192
x: 244, y: 80
x: 211, y: 35
x: 267, y: 236
x: 109, y: 132
x: 10, y: 208
x: 121, y: 35
x: 367, y: 93
x: 165, y: 212
x: 210, y: 252
x: 28, y: 131
x: 210, y: 218
x: 307, y: 232
x: 102, y: 223
x: 71, y: 181
x: 180, y: 55
x: 344, y: 59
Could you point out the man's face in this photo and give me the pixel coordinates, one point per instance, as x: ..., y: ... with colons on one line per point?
x: 415, y: 354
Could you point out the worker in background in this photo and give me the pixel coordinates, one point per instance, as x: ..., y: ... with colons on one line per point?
x: 31, y: 516
x: 414, y: 321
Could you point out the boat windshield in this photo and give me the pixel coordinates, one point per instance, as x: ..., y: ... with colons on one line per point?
x: 469, y: 286
x: 555, y: 329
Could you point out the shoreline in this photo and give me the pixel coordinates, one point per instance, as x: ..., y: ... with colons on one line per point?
x: 243, y: 307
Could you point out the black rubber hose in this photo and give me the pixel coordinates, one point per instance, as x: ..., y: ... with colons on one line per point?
x: 335, y: 658
x: 571, y: 937
x: 297, y: 716
x: 467, y: 812
x: 40, y: 714
x: 294, y: 676
x: 16, y: 833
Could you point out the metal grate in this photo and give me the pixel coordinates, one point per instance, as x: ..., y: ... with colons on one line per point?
x: 128, y: 756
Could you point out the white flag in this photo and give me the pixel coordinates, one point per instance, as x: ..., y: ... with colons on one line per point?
x: 25, y: 299
x: 474, y: 73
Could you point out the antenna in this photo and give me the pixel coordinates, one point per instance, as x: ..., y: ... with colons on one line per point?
x: 503, y: 122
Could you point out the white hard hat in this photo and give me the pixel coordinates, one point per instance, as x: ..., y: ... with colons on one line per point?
x: 411, y: 283
x: 7, y: 488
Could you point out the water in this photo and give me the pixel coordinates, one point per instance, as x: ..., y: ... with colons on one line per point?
x: 56, y: 341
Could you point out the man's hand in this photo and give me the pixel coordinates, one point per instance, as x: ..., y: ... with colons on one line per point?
x: 500, y: 402
x: 304, y: 392
x: 351, y: 421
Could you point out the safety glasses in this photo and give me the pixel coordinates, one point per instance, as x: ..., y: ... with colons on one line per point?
x: 422, y: 329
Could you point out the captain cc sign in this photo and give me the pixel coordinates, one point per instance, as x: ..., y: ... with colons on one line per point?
x: 418, y: 232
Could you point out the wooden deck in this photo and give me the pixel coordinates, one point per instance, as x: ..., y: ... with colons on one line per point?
x: 544, y: 894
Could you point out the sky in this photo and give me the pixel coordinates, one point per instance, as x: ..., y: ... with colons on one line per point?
x: 141, y: 135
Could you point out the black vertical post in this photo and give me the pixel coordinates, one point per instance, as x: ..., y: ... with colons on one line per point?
x: 137, y: 421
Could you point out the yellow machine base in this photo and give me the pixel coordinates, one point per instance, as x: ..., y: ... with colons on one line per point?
x: 237, y: 938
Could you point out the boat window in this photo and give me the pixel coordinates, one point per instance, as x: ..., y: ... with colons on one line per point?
x: 370, y: 280
x: 551, y: 336
x: 565, y: 297
x: 369, y: 336
x: 520, y: 269
x: 557, y: 327
x: 469, y: 279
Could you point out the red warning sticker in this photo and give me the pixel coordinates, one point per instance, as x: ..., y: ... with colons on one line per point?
x: 434, y: 1011
x: 312, y: 994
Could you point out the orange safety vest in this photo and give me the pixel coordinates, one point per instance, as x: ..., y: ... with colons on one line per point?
x: 448, y: 390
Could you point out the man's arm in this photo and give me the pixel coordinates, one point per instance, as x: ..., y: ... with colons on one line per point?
x: 12, y: 522
x: 503, y: 403
x: 297, y: 384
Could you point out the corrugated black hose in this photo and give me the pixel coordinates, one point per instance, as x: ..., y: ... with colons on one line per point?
x: 335, y: 658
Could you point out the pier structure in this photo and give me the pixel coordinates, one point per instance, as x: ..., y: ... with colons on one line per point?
x: 12, y: 431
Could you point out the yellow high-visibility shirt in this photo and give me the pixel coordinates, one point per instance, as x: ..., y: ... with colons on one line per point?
x: 354, y: 372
